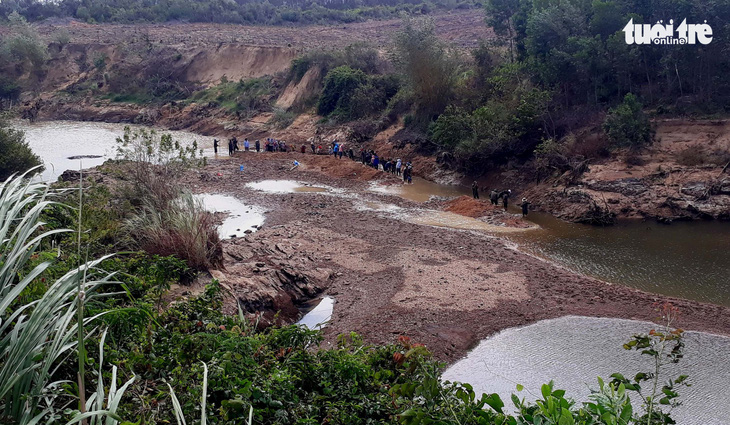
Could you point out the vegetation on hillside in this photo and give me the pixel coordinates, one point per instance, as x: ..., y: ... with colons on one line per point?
x: 274, y: 12
x: 15, y: 155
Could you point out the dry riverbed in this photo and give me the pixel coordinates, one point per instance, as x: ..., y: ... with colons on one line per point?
x: 392, y: 275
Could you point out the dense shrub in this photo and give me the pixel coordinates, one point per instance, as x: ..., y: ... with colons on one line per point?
x: 339, y: 86
x: 23, y: 48
x: 503, y: 127
x: 627, y: 126
x: 245, y: 98
x: 15, y: 154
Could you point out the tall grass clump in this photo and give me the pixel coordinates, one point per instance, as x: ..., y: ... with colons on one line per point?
x: 183, y: 229
x: 37, y: 337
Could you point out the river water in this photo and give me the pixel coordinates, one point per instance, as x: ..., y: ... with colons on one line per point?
x: 57, y: 141
x: 688, y: 260
x: 573, y: 351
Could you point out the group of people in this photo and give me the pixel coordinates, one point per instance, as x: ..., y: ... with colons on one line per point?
x: 336, y: 148
x: 393, y: 166
x: 495, y: 195
x: 270, y: 145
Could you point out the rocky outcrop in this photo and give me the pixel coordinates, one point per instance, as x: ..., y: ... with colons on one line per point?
x: 269, y: 278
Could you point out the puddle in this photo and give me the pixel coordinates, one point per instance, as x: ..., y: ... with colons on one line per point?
x: 457, y: 221
x: 240, y: 218
x: 377, y: 206
x: 573, y: 351
x: 422, y: 190
x: 318, y: 317
x: 285, y: 186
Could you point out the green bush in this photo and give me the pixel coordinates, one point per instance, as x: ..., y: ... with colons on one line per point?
x: 15, y: 154
x: 245, y: 97
x: 339, y: 86
x: 627, y: 126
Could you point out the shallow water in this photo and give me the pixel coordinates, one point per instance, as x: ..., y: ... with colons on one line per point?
x: 56, y: 141
x: 685, y: 259
x: 574, y: 351
x: 457, y: 221
x: 240, y: 218
x: 318, y: 317
x: 422, y: 190
x: 285, y: 186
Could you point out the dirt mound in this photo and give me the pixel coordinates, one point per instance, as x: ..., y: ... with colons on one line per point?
x: 482, y: 209
x: 469, y: 207
x: 296, y: 94
x: 343, y: 168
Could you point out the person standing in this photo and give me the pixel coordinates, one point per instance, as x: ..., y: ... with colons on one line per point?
x: 246, y: 144
x: 336, y: 149
x: 505, y: 198
x: 475, y: 190
x: 314, y: 148
x: 525, y: 205
x: 398, y: 165
x: 235, y: 144
x: 230, y: 147
x: 258, y: 146
x: 215, y: 146
x: 494, y: 196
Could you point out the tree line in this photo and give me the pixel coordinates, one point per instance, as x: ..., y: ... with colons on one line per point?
x: 265, y: 12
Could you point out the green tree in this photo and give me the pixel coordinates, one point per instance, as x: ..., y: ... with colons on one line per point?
x: 15, y: 154
x: 339, y: 86
x: 627, y: 126
x: 24, y: 48
x: 429, y: 66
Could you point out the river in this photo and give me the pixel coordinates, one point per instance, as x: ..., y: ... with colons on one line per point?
x: 688, y: 260
x: 685, y: 259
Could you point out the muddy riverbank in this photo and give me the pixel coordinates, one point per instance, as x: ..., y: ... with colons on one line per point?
x: 447, y: 288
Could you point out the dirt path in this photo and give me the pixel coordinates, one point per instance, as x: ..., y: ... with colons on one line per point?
x: 445, y: 288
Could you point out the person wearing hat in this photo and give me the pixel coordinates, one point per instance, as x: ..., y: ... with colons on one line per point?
x: 524, y: 204
x: 505, y: 198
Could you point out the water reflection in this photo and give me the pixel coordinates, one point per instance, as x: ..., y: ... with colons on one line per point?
x: 685, y: 259
x: 56, y: 142
x: 285, y: 186
x: 574, y: 351
x: 318, y: 316
x: 240, y: 218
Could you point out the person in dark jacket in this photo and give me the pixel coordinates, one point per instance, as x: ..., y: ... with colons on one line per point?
x: 475, y: 190
x: 525, y: 205
x: 258, y: 146
x: 494, y: 197
x: 215, y: 145
x: 505, y: 198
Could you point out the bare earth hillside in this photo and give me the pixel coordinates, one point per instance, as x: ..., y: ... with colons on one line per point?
x: 463, y: 28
